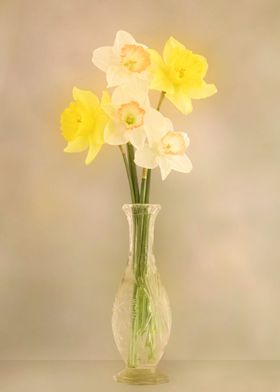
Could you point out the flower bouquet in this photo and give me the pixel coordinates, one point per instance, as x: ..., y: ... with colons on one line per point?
x: 147, y: 139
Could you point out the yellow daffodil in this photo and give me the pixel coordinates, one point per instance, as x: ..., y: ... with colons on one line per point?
x: 83, y: 123
x: 166, y: 148
x: 180, y: 74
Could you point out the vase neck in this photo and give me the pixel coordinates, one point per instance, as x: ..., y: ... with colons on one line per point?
x: 141, y: 220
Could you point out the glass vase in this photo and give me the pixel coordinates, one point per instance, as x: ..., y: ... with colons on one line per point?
x: 141, y: 313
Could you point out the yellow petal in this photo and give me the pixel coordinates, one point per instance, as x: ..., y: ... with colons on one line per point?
x: 181, y: 101
x: 169, y: 47
x: 101, y: 121
x: 87, y: 98
x: 106, y: 98
x: 156, y: 58
x: 206, y: 90
x: 77, y: 145
x: 160, y: 79
x: 161, y: 83
x: 92, y: 152
x: 198, y: 65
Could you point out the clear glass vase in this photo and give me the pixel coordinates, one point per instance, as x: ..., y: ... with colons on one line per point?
x: 141, y: 313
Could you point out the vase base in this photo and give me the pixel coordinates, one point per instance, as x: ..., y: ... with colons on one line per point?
x: 141, y: 376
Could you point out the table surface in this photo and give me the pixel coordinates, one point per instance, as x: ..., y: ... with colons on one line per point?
x: 97, y: 376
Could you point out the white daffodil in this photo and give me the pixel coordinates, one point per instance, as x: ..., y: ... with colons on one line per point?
x: 125, y: 60
x: 166, y: 147
x: 127, y: 112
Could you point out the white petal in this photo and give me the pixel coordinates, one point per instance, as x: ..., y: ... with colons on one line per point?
x: 119, y: 96
x: 116, y: 75
x: 186, y: 138
x: 104, y: 57
x: 137, y: 137
x: 165, y: 167
x: 156, y: 126
x: 134, y: 90
x: 180, y: 163
x: 144, y: 75
x: 123, y: 38
x: 146, y: 158
x: 137, y: 90
x: 114, y: 134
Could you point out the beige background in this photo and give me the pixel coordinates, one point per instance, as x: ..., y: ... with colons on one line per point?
x: 63, y: 236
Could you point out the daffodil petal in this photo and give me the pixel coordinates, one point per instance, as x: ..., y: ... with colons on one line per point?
x: 156, y: 126
x: 116, y: 75
x: 106, y: 98
x: 137, y: 137
x: 103, y: 57
x: 180, y: 163
x: 136, y: 90
x: 77, y: 145
x: 186, y: 138
x: 87, y: 98
x: 110, y: 110
x: 92, y: 152
x: 120, y: 95
x: 100, y: 124
x: 146, y: 158
x: 165, y: 167
x: 181, y: 101
x: 159, y: 74
x: 156, y: 58
x: 161, y: 83
x: 206, y: 90
x: 115, y: 134
x: 123, y: 38
x: 169, y: 47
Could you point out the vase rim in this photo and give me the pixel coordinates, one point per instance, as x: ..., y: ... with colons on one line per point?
x: 142, y: 205
x: 136, y: 208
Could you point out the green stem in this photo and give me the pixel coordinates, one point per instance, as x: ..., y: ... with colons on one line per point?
x: 148, y: 185
x: 143, y: 186
x: 140, y: 292
x: 161, y: 98
x: 128, y: 174
x: 133, y: 172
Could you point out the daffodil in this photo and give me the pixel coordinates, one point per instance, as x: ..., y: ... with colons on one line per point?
x: 166, y: 148
x: 83, y: 123
x: 123, y: 61
x: 128, y: 111
x: 180, y: 74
